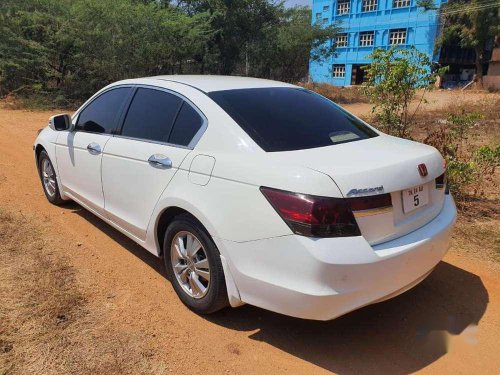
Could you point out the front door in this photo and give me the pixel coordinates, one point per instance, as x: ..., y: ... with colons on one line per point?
x: 79, y: 152
x: 358, y: 74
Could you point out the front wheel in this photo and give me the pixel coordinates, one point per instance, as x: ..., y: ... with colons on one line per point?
x: 49, y: 179
x: 194, y: 266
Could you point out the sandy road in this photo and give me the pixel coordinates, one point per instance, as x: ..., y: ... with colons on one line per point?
x: 448, y: 324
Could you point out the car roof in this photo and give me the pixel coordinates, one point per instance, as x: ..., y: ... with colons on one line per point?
x: 209, y: 83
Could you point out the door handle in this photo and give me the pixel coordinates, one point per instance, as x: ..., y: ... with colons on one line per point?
x: 160, y: 161
x: 94, y: 148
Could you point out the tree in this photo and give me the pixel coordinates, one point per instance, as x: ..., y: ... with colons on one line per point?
x: 67, y: 49
x: 291, y: 45
x: 394, y: 76
x: 70, y: 48
x: 34, y: 48
x: 235, y: 24
x: 471, y: 23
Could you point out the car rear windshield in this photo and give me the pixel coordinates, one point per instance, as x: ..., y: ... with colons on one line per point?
x: 287, y: 119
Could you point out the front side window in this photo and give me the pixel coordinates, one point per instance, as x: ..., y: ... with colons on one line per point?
x: 397, y: 36
x: 366, y: 38
x: 341, y: 40
x: 369, y: 5
x: 287, y: 119
x: 325, y: 21
x: 326, y: 8
x: 343, y: 7
x: 318, y: 16
x: 338, y: 71
x: 151, y: 115
x: 101, y: 114
x: 400, y: 3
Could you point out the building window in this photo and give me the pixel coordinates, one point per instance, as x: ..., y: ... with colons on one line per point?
x: 338, y: 71
x: 366, y: 38
x: 326, y: 8
x: 369, y: 5
x: 325, y: 21
x: 397, y: 36
x: 400, y: 3
x: 318, y: 16
x: 341, y: 40
x: 343, y: 7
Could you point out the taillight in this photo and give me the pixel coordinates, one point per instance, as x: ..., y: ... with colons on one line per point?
x: 315, y: 216
x: 441, y: 181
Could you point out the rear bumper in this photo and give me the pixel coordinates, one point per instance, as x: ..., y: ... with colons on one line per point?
x: 325, y: 278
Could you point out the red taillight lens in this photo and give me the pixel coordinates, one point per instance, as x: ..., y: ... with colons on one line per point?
x: 314, y: 216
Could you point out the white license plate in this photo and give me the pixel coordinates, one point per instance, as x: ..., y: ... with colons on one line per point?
x: 415, y: 197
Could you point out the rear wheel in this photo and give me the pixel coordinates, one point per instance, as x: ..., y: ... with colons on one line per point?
x: 194, y: 266
x: 49, y: 179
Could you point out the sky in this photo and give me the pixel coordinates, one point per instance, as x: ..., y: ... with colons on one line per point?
x: 298, y: 2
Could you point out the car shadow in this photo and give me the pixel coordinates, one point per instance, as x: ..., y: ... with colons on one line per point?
x: 398, y: 336
x: 151, y: 260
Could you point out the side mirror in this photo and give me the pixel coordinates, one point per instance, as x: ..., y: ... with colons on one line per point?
x: 60, y: 122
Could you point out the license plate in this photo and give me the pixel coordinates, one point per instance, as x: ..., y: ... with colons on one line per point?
x: 415, y: 197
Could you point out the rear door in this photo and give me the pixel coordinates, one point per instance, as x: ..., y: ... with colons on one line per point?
x: 157, y: 133
x: 79, y: 152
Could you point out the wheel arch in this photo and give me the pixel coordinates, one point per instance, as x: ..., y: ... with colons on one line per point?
x: 38, y: 150
x: 168, y: 214
x: 165, y: 217
x: 163, y: 221
x: 46, y: 141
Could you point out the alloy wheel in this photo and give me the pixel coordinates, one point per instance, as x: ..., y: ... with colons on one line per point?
x: 48, y: 177
x: 190, y: 264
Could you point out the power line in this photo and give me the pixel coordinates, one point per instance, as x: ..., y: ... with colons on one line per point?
x: 471, y: 8
x: 423, y: 19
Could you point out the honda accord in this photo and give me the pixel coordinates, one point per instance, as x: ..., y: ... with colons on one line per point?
x: 253, y: 191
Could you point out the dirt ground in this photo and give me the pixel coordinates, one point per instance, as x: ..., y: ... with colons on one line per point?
x: 76, y: 296
x: 436, y: 99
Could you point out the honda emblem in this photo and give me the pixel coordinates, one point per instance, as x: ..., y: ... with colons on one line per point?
x: 422, y: 169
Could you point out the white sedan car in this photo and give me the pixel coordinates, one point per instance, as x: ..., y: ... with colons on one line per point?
x: 253, y: 191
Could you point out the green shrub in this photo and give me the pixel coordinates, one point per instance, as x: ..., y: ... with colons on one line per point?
x: 468, y: 168
x: 488, y: 156
x: 460, y: 175
x: 394, y: 76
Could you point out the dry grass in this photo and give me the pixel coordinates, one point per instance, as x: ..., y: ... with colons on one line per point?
x: 478, y: 238
x: 486, y: 131
x: 37, y: 102
x: 340, y: 95
x: 478, y: 228
x: 47, y: 325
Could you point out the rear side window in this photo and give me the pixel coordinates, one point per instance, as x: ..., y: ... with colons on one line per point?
x: 151, y: 115
x: 186, y: 126
x: 101, y: 114
x: 287, y: 119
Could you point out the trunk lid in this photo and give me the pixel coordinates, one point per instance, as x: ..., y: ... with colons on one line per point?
x: 383, y: 164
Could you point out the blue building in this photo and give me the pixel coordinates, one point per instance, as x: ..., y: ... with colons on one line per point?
x: 367, y: 25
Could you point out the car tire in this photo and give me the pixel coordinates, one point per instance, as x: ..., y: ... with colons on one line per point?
x: 48, y: 178
x: 187, y: 268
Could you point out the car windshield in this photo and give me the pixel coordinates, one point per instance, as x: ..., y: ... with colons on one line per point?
x: 287, y: 119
